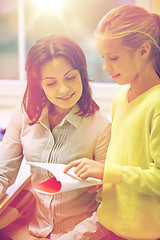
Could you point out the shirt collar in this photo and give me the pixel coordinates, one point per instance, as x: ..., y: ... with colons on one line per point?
x: 44, y: 116
x: 71, y: 117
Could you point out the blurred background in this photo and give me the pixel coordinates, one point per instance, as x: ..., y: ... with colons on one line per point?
x: 22, y: 22
x: 33, y: 19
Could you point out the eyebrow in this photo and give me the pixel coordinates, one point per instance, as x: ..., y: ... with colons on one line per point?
x: 55, y: 78
x: 111, y: 53
x: 48, y: 78
x: 68, y: 71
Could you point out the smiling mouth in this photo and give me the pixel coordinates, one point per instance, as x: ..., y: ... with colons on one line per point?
x: 67, y: 97
x: 115, y: 76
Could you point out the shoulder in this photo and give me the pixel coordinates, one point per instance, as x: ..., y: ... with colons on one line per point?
x: 97, y: 122
x: 17, y: 112
x: 121, y: 94
x: 120, y: 98
x: 96, y: 127
x: 152, y: 101
x: 153, y: 94
x: 18, y: 115
x: 101, y: 117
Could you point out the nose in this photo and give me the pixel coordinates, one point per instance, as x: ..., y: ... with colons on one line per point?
x: 63, y: 88
x: 106, y: 66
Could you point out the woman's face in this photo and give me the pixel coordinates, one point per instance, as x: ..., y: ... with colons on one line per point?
x: 61, y: 83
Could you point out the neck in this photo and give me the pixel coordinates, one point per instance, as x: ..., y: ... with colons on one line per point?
x: 61, y: 112
x: 143, y: 82
x: 56, y: 116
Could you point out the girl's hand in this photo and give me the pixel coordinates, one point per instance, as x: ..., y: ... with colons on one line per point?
x: 86, y: 168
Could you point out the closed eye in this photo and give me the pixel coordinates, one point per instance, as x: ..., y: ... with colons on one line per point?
x: 70, y: 78
x: 50, y: 84
x: 113, y: 58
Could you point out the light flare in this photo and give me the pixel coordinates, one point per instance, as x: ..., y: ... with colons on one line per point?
x: 50, y: 4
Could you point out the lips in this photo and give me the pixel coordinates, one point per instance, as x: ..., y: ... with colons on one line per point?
x: 66, y: 97
x: 115, y: 76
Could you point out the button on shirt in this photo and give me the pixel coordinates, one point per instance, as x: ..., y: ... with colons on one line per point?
x: 75, y: 137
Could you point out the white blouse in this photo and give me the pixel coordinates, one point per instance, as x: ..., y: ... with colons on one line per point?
x: 75, y: 137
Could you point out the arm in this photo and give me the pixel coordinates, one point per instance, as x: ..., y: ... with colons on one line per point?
x: 10, y: 153
x: 137, y: 179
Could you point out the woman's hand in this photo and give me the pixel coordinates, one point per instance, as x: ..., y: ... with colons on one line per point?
x: 93, y: 189
x: 86, y: 168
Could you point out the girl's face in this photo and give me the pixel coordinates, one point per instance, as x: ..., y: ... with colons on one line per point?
x: 121, y: 63
x: 61, y: 83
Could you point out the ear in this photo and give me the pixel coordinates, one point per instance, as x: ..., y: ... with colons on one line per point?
x: 144, y: 50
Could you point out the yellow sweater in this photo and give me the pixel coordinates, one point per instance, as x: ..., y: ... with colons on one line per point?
x: 131, y: 201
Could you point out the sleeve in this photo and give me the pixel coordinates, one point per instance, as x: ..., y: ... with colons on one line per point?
x: 145, y: 181
x: 11, y: 153
x: 102, y: 141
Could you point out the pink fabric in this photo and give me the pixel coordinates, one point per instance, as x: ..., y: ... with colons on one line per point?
x: 89, y: 229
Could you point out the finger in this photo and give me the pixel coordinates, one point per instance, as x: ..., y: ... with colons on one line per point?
x: 79, y: 168
x: 83, y: 174
x: 71, y: 164
x: 83, y: 166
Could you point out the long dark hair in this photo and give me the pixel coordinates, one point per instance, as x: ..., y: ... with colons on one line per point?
x: 46, y: 49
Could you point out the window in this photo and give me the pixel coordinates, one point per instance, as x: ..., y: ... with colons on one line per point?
x: 22, y: 22
x: 9, y: 40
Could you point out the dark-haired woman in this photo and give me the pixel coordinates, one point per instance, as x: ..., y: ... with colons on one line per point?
x: 57, y: 122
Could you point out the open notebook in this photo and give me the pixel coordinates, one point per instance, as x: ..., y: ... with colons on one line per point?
x: 61, y: 182
x: 23, y: 178
x: 18, y: 197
